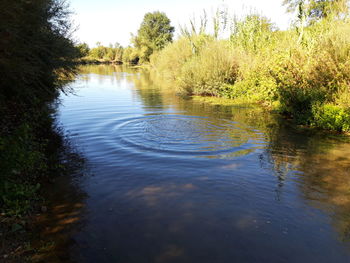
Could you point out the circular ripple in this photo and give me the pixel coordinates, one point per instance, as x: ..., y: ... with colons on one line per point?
x: 182, y: 135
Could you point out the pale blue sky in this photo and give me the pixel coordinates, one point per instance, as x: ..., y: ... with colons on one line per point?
x: 110, y: 21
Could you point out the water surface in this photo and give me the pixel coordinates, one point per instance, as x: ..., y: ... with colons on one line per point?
x: 177, y: 180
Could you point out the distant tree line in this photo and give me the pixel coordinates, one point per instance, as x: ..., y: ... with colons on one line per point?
x: 155, y: 33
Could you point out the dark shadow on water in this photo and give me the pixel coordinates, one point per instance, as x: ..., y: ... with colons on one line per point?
x: 63, y: 213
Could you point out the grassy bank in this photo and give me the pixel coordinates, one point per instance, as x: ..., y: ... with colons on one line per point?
x: 303, y: 72
x: 88, y: 60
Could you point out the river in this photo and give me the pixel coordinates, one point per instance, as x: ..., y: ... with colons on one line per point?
x: 173, y: 179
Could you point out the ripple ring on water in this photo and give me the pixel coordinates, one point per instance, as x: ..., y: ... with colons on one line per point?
x: 180, y: 135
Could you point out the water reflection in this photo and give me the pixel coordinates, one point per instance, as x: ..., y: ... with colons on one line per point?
x: 323, y: 178
x: 151, y: 98
x: 321, y: 161
x: 181, y: 180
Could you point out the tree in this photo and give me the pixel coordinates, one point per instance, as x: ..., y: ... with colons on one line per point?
x: 98, y: 52
x: 110, y: 53
x: 118, y: 52
x: 324, y: 8
x: 130, y: 55
x: 83, y: 49
x: 310, y: 11
x: 35, y: 49
x: 36, y: 58
x: 154, y: 33
x: 317, y: 9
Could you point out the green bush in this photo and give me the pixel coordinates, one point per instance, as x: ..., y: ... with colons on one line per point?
x: 169, y: 61
x: 22, y: 161
x: 208, y: 71
x: 131, y: 55
x: 253, y: 33
x: 257, y: 87
x: 293, y: 69
x: 331, y: 117
x: 315, y: 72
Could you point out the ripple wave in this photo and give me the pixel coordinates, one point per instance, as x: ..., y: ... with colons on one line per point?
x: 181, y: 135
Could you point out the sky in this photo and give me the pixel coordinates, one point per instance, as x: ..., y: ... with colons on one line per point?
x: 111, y: 21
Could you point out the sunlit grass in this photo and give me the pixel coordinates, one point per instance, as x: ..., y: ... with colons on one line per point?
x: 303, y: 76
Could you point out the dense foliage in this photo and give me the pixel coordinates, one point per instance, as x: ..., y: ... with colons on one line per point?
x: 34, y: 46
x: 112, y: 53
x: 36, y: 59
x: 316, y: 9
x: 303, y: 72
x: 154, y: 33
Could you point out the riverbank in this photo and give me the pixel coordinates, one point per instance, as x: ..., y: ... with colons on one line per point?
x: 34, y: 153
x: 260, y: 108
x: 305, y: 77
x: 37, y: 64
x: 87, y: 61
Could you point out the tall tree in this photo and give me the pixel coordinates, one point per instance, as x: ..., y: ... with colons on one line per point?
x: 83, y: 49
x: 154, y: 33
x: 35, y: 48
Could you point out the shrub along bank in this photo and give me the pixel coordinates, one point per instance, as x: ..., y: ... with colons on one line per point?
x: 303, y: 72
x: 36, y: 60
